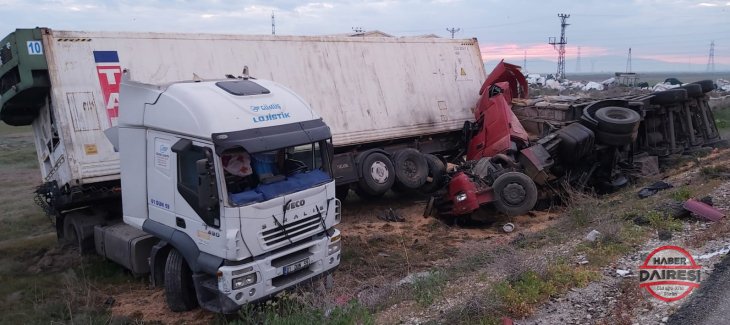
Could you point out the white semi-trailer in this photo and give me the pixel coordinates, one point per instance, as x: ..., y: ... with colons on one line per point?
x: 227, y: 188
x: 395, y: 108
x: 390, y: 102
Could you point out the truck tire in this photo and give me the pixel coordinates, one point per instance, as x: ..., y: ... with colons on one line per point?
x: 693, y: 90
x: 378, y: 175
x: 436, y: 174
x: 514, y: 193
x: 670, y: 96
x: 615, y: 139
x: 411, y: 168
x: 179, y: 288
x: 707, y: 85
x: 78, y: 229
x: 617, y: 119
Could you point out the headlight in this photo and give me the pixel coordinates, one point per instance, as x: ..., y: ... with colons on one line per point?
x: 460, y: 197
x: 244, y: 281
x: 334, y: 248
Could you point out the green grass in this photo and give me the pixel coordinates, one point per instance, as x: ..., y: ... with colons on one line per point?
x: 660, y: 221
x: 681, y: 194
x: 521, y: 296
x: 9, y: 129
x: 289, y: 311
x: 722, y: 118
x: 429, y: 288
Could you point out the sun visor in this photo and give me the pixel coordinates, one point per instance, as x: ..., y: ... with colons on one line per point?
x: 273, y: 137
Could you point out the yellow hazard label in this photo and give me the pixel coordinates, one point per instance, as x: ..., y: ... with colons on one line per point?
x: 463, y: 72
x: 90, y: 149
x: 203, y: 235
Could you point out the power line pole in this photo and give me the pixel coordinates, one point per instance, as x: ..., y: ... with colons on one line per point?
x: 711, y: 58
x: 560, y: 46
x: 524, y: 61
x: 453, y: 31
x: 628, y: 62
x: 273, y: 24
x: 577, y: 61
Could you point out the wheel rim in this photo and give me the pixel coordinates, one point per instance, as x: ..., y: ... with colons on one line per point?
x: 514, y: 194
x: 379, y: 172
x: 409, y: 168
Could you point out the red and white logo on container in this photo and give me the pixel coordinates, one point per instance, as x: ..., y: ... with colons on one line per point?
x: 109, y: 72
x: 669, y: 273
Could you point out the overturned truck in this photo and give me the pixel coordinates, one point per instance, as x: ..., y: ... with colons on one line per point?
x: 519, y: 151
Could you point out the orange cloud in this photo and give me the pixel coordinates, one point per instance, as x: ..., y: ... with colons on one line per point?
x: 491, y: 52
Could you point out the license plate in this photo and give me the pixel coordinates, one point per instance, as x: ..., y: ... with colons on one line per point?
x: 296, y: 266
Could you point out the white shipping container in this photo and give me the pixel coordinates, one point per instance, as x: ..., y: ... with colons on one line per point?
x: 366, y: 89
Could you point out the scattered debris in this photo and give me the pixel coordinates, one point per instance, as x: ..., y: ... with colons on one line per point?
x: 411, y: 278
x: 508, y: 227
x: 703, y: 210
x: 391, y: 216
x: 647, y: 165
x: 623, y: 273
x: 664, y: 234
x: 653, y: 189
x: 722, y: 251
x: 593, y: 235
x: 592, y: 86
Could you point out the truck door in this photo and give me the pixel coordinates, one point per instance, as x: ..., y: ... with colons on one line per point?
x: 197, y: 208
x: 161, y: 178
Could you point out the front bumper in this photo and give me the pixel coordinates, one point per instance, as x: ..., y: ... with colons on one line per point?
x: 275, y: 272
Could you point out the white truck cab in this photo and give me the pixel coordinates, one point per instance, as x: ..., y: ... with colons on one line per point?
x: 233, y: 177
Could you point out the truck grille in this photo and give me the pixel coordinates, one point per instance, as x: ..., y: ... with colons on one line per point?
x: 5, y: 54
x: 294, y: 229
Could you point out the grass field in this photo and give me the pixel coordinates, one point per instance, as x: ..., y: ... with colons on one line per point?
x: 40, y: 283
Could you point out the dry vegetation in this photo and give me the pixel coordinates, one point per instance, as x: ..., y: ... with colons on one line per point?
x: 472, y: 275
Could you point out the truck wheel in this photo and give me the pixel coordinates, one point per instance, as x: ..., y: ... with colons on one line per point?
x: 670, y: 96
x: 707, y: 85
x: 693, y: 90
x: 78, y: 229
x: 179, y: 289
x: 411, y: 168
x: 436, y: 174
x: 617, y: 119
x: 515, y: 193
x: 378, y: 174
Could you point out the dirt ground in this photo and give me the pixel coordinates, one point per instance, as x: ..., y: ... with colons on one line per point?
x: 375, y: 252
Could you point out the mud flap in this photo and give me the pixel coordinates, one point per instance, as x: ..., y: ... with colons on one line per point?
x: 210, y: 298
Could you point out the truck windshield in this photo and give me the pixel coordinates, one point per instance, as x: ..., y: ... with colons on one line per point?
x: 261, y: 176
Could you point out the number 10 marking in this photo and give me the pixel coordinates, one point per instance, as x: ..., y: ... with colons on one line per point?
x: 35, y: 48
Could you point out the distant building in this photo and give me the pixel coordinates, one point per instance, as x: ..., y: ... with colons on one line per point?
x: 630, y: 79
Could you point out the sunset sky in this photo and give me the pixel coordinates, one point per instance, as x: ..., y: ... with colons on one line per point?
x: 675, y: 33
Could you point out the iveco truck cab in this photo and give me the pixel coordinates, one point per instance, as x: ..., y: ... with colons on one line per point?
x: 232, y: 179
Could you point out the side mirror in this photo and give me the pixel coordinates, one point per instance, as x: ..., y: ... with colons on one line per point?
x: 207, y: 190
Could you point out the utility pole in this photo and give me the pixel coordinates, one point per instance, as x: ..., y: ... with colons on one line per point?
x: 524, y: 61
x: 560, y: 46
x: 273, y: 24
x: 577, y: 61
x: 453, y: 31
x: 628, y: 62
x: 711, y: 58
